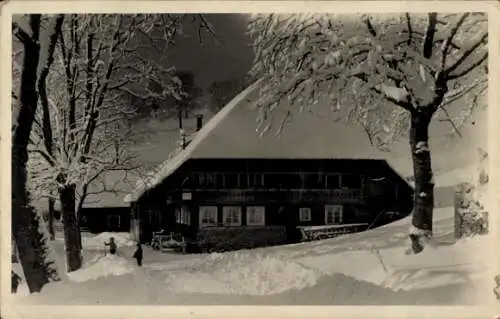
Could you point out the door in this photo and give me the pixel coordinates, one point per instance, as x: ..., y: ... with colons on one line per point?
x: 333, y: 214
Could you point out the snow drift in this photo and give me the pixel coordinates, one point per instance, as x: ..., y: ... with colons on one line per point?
x: 352, y: 269
x: 245, y: 272
x: 102, y: 266
x: 361, y: 268
x: 263, y: 273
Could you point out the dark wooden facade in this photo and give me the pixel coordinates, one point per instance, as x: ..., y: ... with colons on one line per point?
x: 105, y: 219
x: 242, y: 195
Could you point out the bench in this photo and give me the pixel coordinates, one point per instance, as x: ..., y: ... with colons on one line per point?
x: 164, y: 241
x: 310, y: 233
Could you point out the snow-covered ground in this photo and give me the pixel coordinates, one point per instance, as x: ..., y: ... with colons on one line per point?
x: 364, y: 268
x: 102, y: 266
x: 370, y: 267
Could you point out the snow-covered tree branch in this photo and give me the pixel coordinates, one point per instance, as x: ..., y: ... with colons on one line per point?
x: 388, y: 73
x: 83, y: 129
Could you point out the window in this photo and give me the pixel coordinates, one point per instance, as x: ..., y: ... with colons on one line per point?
x: 152, y: 214
x: 231, y: 216
x: 305, y: 214
x: 182, y: 216
x: 256, y: 216
x: 333, y: 181
x: 208, y: 216
x: 207, y: 180
x: 255, y: 180
x: 333, y: 214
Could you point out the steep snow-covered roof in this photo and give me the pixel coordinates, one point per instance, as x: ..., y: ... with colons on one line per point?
x: 231, y: 133
x: 179, y: 156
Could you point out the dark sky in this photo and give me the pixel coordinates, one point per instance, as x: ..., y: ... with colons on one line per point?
x: 229, y: 58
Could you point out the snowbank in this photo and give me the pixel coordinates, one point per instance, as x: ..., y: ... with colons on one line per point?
x: 472, y: 201
x: 245, y: 272
x: 350, y: 269
x: 97, y: 241
x: 102, y: 266
x: 437, y: 266
x: 363, y: 268
x: 440, y: 275
x: 376, y: 257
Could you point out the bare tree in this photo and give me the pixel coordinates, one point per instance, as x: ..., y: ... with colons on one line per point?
x: 84, y: 126
x: 35, y: 66
x: 363, y: 66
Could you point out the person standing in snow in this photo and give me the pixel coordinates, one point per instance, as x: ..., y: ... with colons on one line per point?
x: 112, y: 245
x: 138, y: 254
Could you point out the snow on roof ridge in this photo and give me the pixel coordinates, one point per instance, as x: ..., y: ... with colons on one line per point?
x: 171, y: 164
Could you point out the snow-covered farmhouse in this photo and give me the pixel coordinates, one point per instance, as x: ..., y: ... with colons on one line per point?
x: 231, y: 188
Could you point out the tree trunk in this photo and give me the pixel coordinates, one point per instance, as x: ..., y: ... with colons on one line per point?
x: 71, y: 231
x: 423, y: 200
x: 79, y: 208
x: 79, y: 241
x: 51, y: 219
x: 30, y: 244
